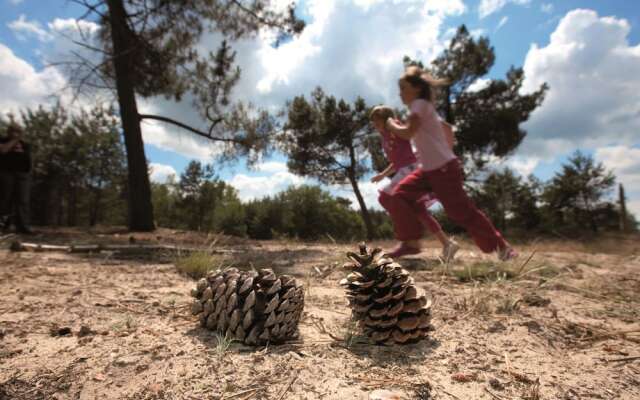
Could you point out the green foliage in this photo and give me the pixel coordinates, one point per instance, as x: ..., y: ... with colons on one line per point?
x: 509, y: 201
x: 79, y: 168
x: 488, y: 120
x: 575, y: 197
x: 199, y: 201
x: 305, y: 212
x: 326, y: 138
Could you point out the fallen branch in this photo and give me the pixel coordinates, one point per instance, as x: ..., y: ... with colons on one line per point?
x: 91, y: 248
x: 625, y: 359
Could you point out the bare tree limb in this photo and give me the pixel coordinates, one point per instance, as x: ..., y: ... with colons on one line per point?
x: 189, y: 128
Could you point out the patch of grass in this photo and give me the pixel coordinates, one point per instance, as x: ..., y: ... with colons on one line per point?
x: 128, y: 323
x: 352, y: 334
x: 496, y: 272
x: 483, y: 271
x: 223, y: 342
x: 532, y: 392
x: 508, y: 305
x: 478, y: 301
x: 197, y: 264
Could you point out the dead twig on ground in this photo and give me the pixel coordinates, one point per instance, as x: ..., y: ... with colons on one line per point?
x: 625, y: 359
x: 295, y: 377
x: 250, y: 393
x: 494, y: 395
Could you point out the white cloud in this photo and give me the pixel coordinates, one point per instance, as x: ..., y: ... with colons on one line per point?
x: 594, y: 95
x: 168, y: 138
x: 478, y: 85
x: 624, y: 162
x: 488, y: 7
x: 345, y: 49
x: 24, y: 28
x: 257, y: 187
x: 22, y: 85
x: 15, y: 2
x: 502, y: 22
x: 476, y: 33
x: 271, y: 167
x: 546, y: 8
x: 523, y: 165
x: 368, y: 190
x: 160, y: 173
x: 634, y: 207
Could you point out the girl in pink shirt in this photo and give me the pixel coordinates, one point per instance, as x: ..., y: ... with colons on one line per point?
x: 440, y: 172
x: 402, y: 162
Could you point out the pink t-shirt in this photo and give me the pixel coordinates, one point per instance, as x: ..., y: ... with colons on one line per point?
x: 398, y: 151
x: 431, y: 144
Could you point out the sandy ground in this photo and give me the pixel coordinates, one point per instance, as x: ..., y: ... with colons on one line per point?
x: 562, y: 326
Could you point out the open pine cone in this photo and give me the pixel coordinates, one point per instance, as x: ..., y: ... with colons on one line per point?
x: 252, y: 307
x: 384, y: 300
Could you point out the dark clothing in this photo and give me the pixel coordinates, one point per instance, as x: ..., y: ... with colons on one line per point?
x: 15, y: 169
x: 14, y: 161
x: 14, y: 197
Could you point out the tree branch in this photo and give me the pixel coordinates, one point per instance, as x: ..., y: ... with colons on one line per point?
x: 189, y: 128
x: 256, y: 16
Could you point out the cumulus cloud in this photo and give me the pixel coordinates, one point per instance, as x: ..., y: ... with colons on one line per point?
x: 368, y: 64
x: 624, y: 162
x: 24, y: 29
x: 160, y: 173
x: 594, y: 95
x: 22, y: 85
x: 488, y: 7
x: 523, y: 165
x: 257, y: 187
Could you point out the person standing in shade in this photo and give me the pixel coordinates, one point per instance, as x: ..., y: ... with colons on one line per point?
x: 15, y: 177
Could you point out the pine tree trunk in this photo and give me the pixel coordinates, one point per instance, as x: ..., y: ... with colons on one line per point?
x: 72, y: 206
x: 140, y: 208
x: 623, y: 209
x: 351, y: 174
x: 363, y: 207
x: 95, y: 207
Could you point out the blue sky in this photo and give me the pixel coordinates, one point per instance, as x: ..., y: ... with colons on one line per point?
x: 587, y: 50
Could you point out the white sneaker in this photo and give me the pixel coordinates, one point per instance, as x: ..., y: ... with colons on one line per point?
x: 507, y: 253
x: 449, y: 251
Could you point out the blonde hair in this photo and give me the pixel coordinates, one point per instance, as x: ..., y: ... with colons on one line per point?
x: 381, y: 112
x: 423, y: 80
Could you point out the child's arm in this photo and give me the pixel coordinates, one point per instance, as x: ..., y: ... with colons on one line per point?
x: 386, y: 172
x: 449, y: 134
x: 403, y: 131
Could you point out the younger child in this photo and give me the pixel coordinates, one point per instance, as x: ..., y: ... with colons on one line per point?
x: 402, y: 162
x: 440, y: 171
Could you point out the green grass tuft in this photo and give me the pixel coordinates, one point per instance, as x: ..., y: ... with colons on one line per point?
x: 197, y: 264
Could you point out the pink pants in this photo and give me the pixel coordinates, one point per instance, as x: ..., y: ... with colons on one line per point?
x: 426, y: 219
x: 447, y: 184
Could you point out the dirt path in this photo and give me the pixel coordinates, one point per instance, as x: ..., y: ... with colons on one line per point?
x: 496, y: 335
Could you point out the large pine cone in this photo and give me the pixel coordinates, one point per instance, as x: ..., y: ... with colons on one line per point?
x: 384, y: 300
x: 252, y: 307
